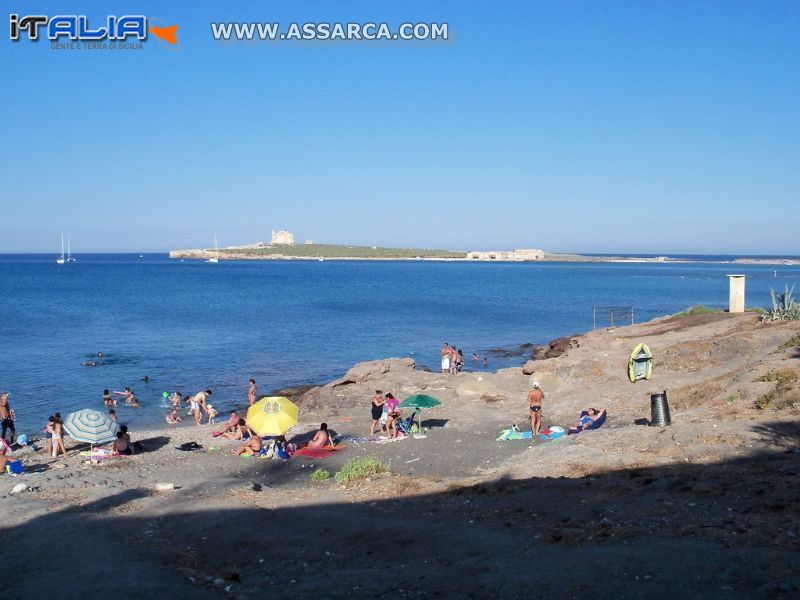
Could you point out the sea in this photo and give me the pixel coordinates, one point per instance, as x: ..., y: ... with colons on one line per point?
x: 190, y: 325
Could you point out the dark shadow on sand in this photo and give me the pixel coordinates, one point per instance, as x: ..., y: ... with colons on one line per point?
x: 724, y: 530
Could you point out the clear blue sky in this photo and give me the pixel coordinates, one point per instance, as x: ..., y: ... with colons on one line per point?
x: 572, y: 126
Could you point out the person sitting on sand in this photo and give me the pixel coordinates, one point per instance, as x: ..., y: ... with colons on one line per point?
x: 240, y: 432
x: 121, y: 445
x: 586, y: 420
x: 251, y: 445
x: 232, y: 424
x: 322, y: 438
x: 174, y: 417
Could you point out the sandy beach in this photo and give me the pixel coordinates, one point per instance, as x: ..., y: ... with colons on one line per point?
x: 712, y: 498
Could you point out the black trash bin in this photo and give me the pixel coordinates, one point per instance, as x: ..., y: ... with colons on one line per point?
x: 659, y: 410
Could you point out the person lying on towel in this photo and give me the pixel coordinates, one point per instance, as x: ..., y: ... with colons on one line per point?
x: 586, y: 421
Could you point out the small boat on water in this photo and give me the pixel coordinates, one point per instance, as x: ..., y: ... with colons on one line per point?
x: 215, y: 258
x: 69, y: 251
x: 60, y: 260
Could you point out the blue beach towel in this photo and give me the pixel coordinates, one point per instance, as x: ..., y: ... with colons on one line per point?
x: 513, y: 434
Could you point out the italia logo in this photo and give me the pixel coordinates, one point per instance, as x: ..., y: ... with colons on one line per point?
x: 77, y: 28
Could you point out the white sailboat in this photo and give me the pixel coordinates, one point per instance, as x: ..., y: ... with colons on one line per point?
x: 215, y: 258
x: 69, y: 252
x: 60, y: 260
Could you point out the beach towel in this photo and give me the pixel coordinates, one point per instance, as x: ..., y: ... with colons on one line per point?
x: 552, y: 433
x: 513, y: 434
x: 15, y: 467
x: 386, y: 439
x: 319, y: 452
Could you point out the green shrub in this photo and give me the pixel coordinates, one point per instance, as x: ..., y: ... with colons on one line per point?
x: 320, y: 475
x: 764, y: 401
x: 783, y: 376
x: 792, y: 342
x: 698, y: 309
x: 784, y: 307
x: 360, y: 468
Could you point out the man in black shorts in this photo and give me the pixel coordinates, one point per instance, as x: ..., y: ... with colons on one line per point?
x: 535, y: 397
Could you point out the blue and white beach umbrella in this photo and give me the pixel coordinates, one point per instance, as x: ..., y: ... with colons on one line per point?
x: 91, y: 426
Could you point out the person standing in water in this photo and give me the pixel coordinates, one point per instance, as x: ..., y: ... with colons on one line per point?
x: 252, y: 392
x: 535, y: 398
x: 445, y: 358
x: 198, y: 405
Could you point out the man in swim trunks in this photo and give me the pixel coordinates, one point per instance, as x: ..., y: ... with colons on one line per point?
x: 446, y: 358
x: 535, y: 397
x: 197, y: 405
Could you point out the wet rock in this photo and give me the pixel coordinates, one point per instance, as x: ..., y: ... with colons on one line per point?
x: 558, y: 346
x: 529, y: 367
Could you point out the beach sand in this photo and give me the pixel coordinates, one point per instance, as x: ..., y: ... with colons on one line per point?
x: 705, y: 507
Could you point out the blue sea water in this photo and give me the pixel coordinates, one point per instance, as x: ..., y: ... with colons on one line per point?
x: 191, y: 325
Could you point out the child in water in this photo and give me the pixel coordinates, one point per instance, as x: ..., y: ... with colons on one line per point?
x: 173, y: 417
x: 212, y: 414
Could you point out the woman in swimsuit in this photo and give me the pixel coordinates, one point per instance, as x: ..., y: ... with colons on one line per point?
x: 377, y: 410
x: 535, y: 397
x: 58, y: 436
x: 392, y: 414
x: 322, y: 438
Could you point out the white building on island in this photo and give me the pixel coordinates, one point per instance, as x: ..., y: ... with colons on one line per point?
x: 519, y: 255
x: 282, y: 237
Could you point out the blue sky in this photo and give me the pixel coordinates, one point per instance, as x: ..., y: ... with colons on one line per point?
x: 571, y: 126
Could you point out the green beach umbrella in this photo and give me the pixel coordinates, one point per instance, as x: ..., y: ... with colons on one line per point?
x: 420, y: 401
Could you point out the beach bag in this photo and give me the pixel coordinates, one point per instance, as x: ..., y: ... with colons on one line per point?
x: 15, y: 467
x: 22, y: 439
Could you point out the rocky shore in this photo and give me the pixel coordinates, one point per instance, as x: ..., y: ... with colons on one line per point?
x: 705, y: 507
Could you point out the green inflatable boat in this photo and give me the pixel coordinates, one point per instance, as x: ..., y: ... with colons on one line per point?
x: 640, y: 365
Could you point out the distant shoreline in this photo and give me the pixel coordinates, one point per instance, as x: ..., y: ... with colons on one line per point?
x: 447, y: 256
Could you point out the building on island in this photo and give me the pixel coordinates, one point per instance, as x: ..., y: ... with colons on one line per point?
x: 519, y: 255
x: 309, y: 242
x: 282, y: 237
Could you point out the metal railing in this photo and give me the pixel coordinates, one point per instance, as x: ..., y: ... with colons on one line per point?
x: 613, y: 315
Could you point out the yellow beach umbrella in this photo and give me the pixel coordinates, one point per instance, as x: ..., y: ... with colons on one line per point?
x: 272, y: 415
